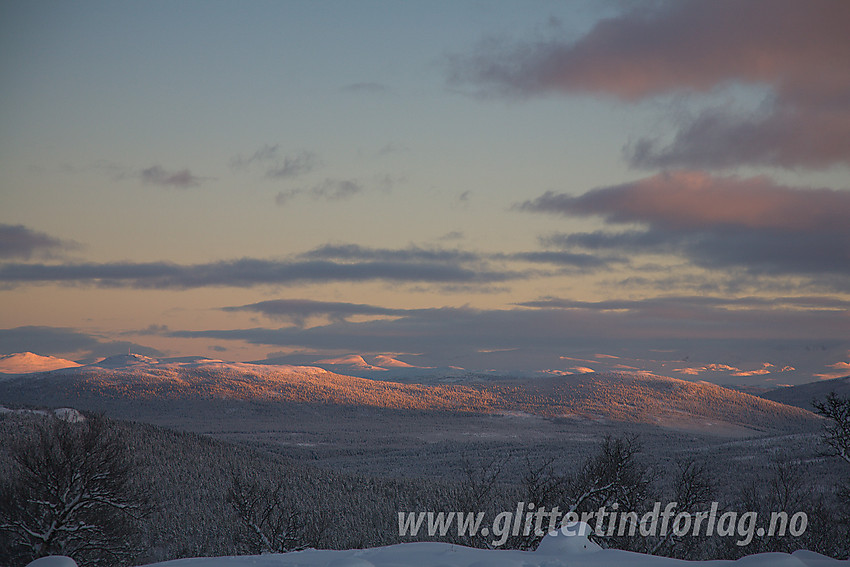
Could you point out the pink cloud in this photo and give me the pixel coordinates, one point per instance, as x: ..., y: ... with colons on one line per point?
x: 697, y: 200
x: 799, y: 49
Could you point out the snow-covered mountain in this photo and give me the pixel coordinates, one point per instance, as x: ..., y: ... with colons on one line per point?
x: 802, y: 395
x: 377, y: 366
x: 353, y: 361
x: 622, y: 397
x: 27, y: 362
x: 125, y: 360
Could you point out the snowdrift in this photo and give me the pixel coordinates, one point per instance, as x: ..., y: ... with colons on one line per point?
x: 555, y: 550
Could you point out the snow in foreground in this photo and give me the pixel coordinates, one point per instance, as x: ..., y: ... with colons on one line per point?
x: 553, y: 551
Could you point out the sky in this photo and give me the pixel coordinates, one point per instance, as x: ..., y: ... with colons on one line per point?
x: 500, y: 186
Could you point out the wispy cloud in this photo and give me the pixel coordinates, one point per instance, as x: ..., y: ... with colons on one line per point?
x: 276, y: 165
x: 20, y: 242
x: 328, y: 190
x: 335, y: 189
x: 798, y: 49
x: 452, y: 235
x: 717, y: 222
x: 293, y: 166
x: 267, y: 153
x: 157, y: 175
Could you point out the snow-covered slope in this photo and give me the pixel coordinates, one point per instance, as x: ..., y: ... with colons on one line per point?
x: 27, y: 362
x: 67, y: 414
x: 802, y: 395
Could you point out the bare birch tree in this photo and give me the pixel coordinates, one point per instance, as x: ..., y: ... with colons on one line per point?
x: 70, y: 494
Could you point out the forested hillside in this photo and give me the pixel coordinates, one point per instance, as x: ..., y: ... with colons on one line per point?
x: 204, y: 497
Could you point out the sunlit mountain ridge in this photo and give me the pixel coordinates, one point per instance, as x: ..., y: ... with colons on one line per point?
x: 622, y: 397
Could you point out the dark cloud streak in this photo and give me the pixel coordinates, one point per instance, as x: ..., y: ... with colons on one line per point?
x: 350, y: 252
x: 246, y: 272
x: 298, y: 311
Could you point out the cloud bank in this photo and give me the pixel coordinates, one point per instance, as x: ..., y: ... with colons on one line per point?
x: 716, y: 222
x: 550, y: 326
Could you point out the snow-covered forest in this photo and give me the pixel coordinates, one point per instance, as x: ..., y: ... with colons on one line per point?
x: 163, y: 495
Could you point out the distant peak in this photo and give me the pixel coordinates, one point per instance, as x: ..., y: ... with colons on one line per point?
x: 119, y: 360
x: 388, y: 361
x: 354, y: 360
x: 351, y: 359
x: 27, y: 362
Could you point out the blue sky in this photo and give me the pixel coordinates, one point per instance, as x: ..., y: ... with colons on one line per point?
x: 439, y: 181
